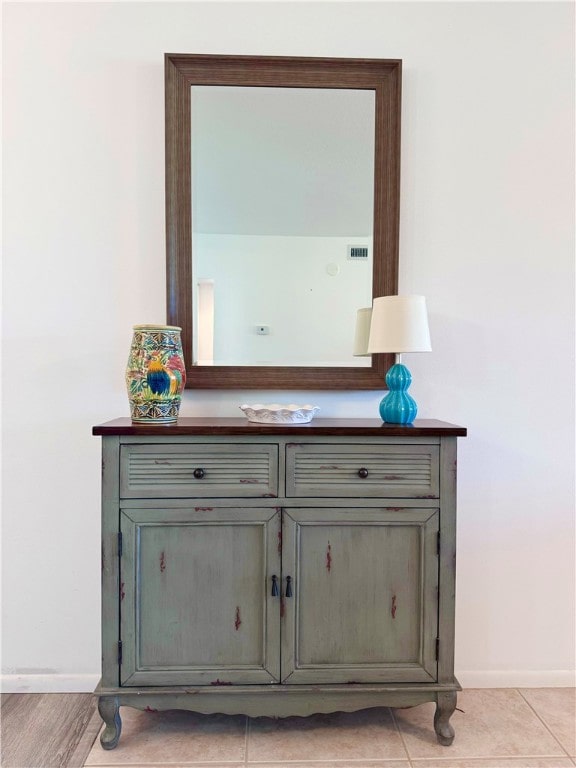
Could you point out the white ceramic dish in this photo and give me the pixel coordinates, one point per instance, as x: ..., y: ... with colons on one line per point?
x: 275, y: 413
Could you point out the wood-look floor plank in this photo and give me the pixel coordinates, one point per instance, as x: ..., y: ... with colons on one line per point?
x: 93, y: 728
x: 45, y: 730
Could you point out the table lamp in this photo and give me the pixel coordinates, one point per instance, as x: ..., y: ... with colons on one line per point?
x: 362, y: 334
x: 399, y: 324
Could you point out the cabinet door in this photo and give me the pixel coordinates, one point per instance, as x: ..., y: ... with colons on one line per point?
x: 195, y: 603
x: 364, y: 595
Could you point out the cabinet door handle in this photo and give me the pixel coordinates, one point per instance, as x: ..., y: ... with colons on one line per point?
x: 199, y: 473
x: 288, y: 586
x: 275, y: 591
x: 363, y: 473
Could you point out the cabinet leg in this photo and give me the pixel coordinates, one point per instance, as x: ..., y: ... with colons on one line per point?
x: 109, y: 709
x: 445, y: 706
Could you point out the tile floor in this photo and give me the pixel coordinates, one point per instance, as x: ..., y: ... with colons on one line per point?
x: 496, y: 728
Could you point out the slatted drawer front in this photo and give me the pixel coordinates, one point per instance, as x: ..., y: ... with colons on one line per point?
x: 200, y: 470
x: 400, y: 471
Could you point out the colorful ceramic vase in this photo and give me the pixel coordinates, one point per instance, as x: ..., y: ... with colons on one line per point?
x: 155, y: 374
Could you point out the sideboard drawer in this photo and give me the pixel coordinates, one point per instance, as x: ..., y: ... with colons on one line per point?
x: 399, y: 471
x: 198, y: 470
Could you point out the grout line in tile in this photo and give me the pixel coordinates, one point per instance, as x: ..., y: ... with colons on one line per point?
x: 510, y: 758
x: 246, y: 736
x: 198, y: 764
x: 544, y: 723
x: 399, y: 731
x: 383, y: 761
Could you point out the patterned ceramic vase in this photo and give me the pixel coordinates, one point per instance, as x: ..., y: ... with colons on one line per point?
x: 155, y: 374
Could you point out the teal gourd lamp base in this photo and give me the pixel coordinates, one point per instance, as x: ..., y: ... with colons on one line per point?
x: 394, y: 324
x: 398, y: 407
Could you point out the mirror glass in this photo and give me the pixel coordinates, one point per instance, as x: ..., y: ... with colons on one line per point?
x: 282, y: 223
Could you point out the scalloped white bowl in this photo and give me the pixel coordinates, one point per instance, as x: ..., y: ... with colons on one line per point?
x: 275, y: 413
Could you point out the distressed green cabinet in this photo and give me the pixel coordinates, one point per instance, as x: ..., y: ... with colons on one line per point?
x: 277, y: 570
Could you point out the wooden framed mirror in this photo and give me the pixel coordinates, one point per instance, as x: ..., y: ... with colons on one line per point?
x: 197, y: 84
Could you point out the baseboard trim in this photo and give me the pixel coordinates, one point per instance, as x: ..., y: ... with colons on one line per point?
x: 48, y: 683
x: 555, y: 678
x: 549, y: 678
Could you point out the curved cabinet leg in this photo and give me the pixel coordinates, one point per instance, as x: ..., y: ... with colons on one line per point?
x: 445, y: 706
x: 109, y: 709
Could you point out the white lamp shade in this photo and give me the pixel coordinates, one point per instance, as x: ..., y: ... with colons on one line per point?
x: 399, y: 324
x: 363, y: 317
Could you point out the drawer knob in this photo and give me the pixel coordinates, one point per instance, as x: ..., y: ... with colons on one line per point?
x: 199, y: 473
x: 363, y: 473
x: 275, y: 591
x: 288, y: 586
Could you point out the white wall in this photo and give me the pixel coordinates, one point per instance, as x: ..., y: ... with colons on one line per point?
x: 282, y: 161
x: 487, y: 235
x: 260, y: 279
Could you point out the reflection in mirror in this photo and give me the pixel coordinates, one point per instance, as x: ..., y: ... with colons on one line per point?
x: 282, y: 223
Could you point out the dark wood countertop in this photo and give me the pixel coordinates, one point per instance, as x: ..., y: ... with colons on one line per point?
x: 240, y: 426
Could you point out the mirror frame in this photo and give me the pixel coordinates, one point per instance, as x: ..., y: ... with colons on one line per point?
x: 184, y: 70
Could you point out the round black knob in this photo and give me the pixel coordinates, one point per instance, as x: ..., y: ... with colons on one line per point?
x: 199, y: 473
x: 363, y: 473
